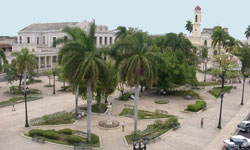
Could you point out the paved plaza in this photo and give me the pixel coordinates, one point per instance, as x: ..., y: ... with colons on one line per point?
x: 189, y: 136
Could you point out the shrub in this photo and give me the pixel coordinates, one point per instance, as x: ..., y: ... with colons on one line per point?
x: 73, y: 139
x: 66, y: 131
x: 197, y: 106
x: 36, y: 132
x: 159, y: 124
x: 94, y: 139
x: 171, y: 122
x: 158, y: 101
x: 125, y: 96
x: 51, y: 134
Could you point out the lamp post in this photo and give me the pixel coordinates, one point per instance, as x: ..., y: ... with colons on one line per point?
x: 221, y: 96
x: 54, y: 86
x: 140, y: 147
x: 242, y: 98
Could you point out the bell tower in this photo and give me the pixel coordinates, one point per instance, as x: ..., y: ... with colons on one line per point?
x: 197, y: 22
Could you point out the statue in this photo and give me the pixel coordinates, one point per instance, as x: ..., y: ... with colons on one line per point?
x: 109, y: 122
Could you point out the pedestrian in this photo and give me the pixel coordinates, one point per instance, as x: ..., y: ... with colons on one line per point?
x: 123, y: 126
x: 13, y: 106
x: 202, y: 122
x: 83, y: 114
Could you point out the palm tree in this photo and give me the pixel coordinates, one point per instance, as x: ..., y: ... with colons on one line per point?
x: 247, y: 32
x: 2, y: 58
x: 219, y: 38
x: 82, y: 61
x: 137, y: 62
x: 189, y: 26
x: 121, y: 33
x: 25, y: 62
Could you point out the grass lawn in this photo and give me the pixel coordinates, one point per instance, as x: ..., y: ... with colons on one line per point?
x: 33, y: 81
x: 216, y: 91
x: 95, y: 108
x: 154, y: 130
x: 183, y: 93
x: 54, y: 119
x: 47, y: 85
x: 208, y: 83
x: 17, y: 99
x: 65, y: 137
x: 142, y: 114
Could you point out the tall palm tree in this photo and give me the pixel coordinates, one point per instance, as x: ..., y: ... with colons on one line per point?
x: 137, y: 62
x: 24, y: 62
x: 121, y: 32
x: 219, y: 38
x: 82, y: 61
x: 189, y: 26
x: 2, y: 59
x: 247, y: 32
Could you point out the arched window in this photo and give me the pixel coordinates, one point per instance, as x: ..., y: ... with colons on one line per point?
x: 196, y: 18
x: 205, y: 43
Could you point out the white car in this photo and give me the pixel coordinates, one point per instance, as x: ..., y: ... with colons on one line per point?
x: 238, y: 141
x: 244, y: 126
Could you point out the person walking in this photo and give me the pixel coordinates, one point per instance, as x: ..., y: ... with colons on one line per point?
x: 13, y: 106
x: 202, y: 122
x: 123, y: 126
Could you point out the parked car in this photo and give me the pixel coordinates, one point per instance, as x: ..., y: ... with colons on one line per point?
x: 244, y: 126
x: 237, y: 142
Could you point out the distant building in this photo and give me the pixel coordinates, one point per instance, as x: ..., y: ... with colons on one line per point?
x: 6, y: 44
x: 38, y: 38
x: 203, y: 38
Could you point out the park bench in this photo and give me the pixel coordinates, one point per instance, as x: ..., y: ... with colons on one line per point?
x: 176, y: 126
x: 154, y: 139
x: 161, y: 111
x: 38, y: 139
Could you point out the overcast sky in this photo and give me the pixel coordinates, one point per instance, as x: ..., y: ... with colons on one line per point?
x: 153, y: 16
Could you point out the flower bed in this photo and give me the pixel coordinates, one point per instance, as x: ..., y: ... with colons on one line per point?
x: 65, y: 136
x: 216, y: 91
x: 142, y: 114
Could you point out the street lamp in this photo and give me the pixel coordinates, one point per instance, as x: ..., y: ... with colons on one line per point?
x: 221, y: 96
x: 54, y: 86
x: 140, y: 147
x: 25, y: 90
x: 242, y: 98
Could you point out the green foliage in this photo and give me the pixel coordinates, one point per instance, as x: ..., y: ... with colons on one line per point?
x: 73, y: 139
x: 189, y: 26
x: 51, y: 134
x: 66, y: 88
x: 95, y: 108
x: 125, y: 96
x: 32, y: 81
x: 36, y: 132
x: 216, y: 91
x: 197, y: 106
x: 15, y: 91
x: 94, y: 139
x: 66, y: 131
x: 208, y: 83
x: 142, y: 114
x: 11, y: 73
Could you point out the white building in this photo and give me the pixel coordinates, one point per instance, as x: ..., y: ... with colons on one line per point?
x: 38, y: 38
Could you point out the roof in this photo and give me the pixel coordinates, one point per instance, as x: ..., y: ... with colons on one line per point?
x: 197, y: 8
x: 47, y: 26
x: 5, y: 45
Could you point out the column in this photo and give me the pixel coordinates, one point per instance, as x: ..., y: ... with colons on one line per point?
x: 108, y: 42
x: 45, y: 61
x: 97, y: 40
x: 51, y: 62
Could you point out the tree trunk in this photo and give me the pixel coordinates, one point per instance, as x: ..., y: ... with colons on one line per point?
x: 106, y: 98
x: 49, y: 81
x: 20, y: 81
x: 137, y: 90
x: 76, y: 109
x: 89, y: 109
x: 98, y: 100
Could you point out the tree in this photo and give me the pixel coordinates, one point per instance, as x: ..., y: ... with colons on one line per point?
x: 82, y: 61
x: 121, y: 33
x: 49, y: 74
x: 138, y: 61
x: 2, y: 59
x: 247, y: 32
x: 219, y: 38
x: 24, y: 62
x: 204, y: 56
x: 189, y: 26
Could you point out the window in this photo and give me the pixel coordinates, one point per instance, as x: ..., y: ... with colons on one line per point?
x: 37, y: 40
x: 105, y: 40
x: 100, y: 42
x: 33, y: 50
x: 196, y: 18
x: 28, y: 39
x: 20, y: 39
x: 54, y: 40
x: 110, y: 40
x: 205, y: 43
x: 43, y: 39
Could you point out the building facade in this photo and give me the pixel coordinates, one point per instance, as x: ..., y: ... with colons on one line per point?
x: 6, y: 44
x: 39, y: 38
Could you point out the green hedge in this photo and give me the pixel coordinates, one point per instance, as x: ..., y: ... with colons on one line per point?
x: 125, y: 96
x: 73, y: 139
x: 36, y: 132
x: 51, y: 134
x: 66, y: 131
x: 197, y: 106
x: 15, y: 90
x: 32, y: 81
x: 216, y: 91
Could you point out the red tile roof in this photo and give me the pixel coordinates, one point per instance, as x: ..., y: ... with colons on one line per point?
x: 197, y: 8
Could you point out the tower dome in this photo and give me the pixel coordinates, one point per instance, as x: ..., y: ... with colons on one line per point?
x: 197, y: 8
